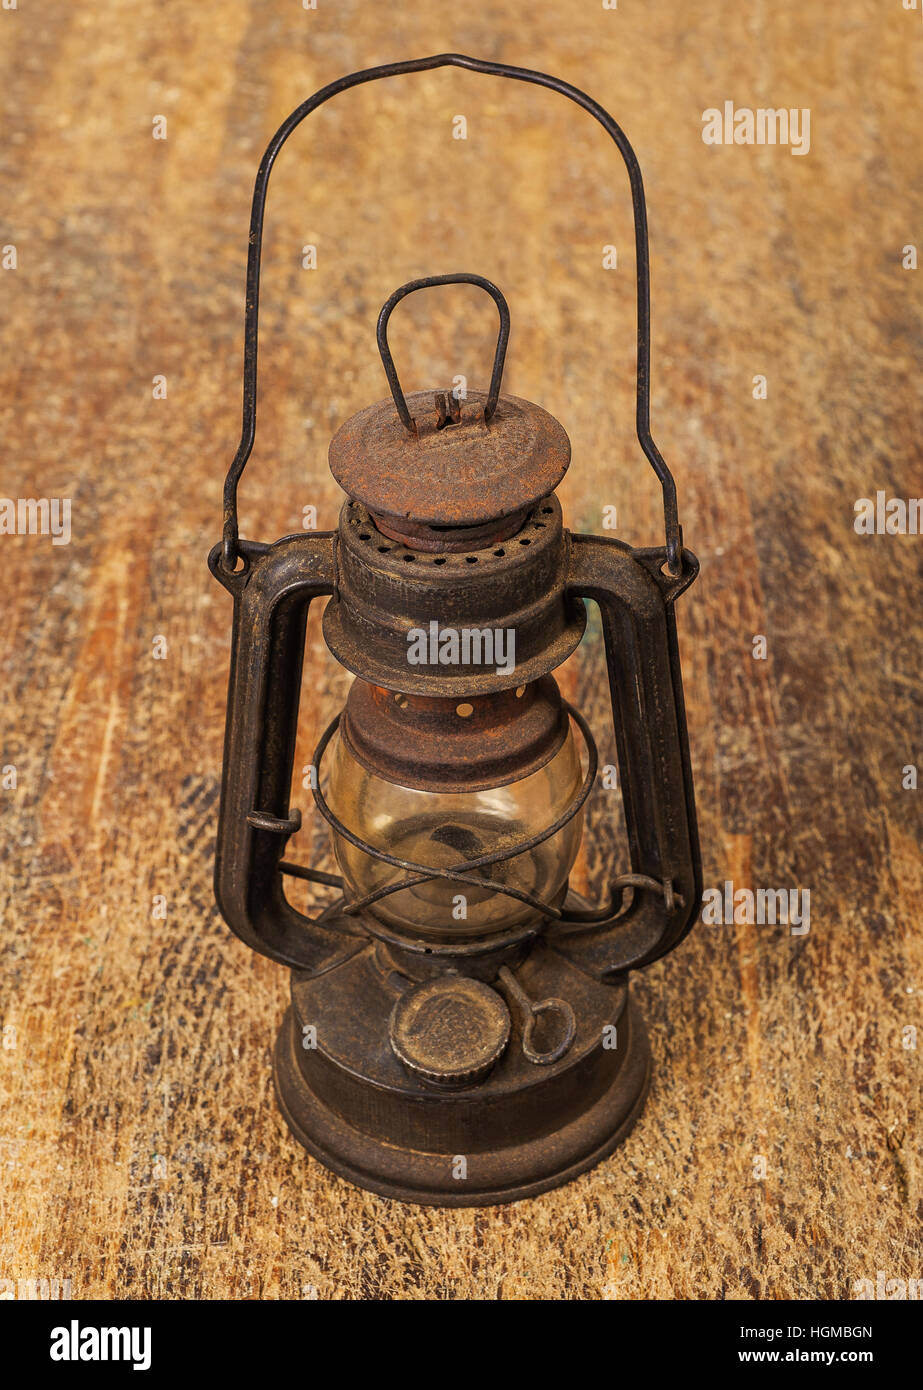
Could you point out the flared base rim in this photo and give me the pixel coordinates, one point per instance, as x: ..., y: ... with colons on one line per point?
x: 508, y: 1174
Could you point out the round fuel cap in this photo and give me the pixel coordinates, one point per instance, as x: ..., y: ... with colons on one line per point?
x: 450, y: 1031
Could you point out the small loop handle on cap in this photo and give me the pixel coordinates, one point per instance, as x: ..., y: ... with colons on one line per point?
x: 426, y: 283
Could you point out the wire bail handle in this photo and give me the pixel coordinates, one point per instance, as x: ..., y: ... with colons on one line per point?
x: 673, y: 533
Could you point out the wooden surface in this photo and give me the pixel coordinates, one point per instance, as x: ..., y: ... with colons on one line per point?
x: 140, y: 1150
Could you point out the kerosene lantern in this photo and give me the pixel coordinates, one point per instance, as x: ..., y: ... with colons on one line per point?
x: 461, y: 1030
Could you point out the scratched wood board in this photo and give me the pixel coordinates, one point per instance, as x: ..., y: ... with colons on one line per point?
x: 141, y: 1154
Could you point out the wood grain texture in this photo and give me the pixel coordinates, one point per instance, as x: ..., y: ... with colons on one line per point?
x: 140, y: 1150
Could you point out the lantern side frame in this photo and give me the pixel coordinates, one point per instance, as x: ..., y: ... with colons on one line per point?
x: 271, y: 599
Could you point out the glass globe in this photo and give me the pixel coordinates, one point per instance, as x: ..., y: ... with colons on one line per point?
x: 446, y: 828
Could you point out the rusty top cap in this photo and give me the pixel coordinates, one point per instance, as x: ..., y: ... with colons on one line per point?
x: 454, y: 469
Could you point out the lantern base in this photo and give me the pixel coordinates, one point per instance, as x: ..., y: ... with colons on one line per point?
x: 523, y: 1130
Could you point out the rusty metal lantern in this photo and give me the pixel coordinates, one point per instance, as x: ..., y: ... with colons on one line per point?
x: 461, y: 1030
